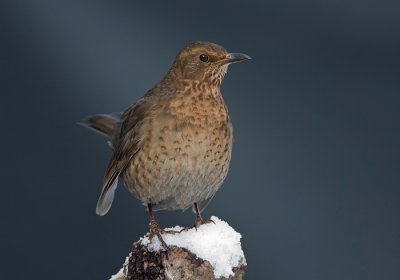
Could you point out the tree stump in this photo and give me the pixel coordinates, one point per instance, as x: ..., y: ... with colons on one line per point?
x: 211, y: 252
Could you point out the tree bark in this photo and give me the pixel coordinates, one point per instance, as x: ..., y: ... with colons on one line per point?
x: 176, y: 263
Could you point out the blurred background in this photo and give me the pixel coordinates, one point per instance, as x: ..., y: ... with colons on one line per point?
x: 314, y: 181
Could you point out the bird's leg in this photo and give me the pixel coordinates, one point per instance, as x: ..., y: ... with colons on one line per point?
x: 199, y: 221
x: 154, y: 228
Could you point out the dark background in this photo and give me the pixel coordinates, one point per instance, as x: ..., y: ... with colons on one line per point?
x: 314, y: 181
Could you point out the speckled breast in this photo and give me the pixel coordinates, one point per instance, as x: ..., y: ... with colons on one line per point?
x: 184, y: 152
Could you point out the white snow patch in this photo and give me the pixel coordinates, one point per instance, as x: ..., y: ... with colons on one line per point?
x: 119, y: 274
x: 217, y: 243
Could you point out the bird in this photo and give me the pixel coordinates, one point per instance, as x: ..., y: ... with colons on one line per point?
x: 172, y: 148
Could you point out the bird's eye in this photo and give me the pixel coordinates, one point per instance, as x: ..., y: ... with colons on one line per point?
x: 204, y: 57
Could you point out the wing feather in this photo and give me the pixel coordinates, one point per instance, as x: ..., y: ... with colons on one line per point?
x: 126, y: 146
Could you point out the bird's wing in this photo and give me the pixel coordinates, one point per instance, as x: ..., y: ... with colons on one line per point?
x: 125, y: 149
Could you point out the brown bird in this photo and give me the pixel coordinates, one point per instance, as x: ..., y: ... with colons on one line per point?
x: 172, y: 147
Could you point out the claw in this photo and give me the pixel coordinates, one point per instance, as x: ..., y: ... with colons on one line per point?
x: 199, y: 221
x: 155, y: 230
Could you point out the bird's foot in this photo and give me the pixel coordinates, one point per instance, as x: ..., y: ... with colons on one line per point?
x: 199, y: 221
x: 155, y: 230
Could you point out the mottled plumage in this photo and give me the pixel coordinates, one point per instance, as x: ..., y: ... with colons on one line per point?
x: 172, y: 147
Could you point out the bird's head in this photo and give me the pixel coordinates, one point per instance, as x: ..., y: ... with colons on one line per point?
x: 204, y: 62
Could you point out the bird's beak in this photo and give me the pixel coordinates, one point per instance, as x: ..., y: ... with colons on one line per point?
x: 234, y: 57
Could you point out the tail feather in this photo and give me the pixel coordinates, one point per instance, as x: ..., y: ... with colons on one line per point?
x: 104, y: 124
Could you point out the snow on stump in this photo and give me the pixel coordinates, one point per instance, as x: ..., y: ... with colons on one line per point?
x: 212, y: 252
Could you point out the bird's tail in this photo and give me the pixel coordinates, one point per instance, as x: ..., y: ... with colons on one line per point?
x: 104, y: 124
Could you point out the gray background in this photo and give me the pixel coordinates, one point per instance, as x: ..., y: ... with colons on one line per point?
x: 314, y: 180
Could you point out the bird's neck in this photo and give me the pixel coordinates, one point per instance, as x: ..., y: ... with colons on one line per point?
x: 173, y: 86
x: 199, y: 104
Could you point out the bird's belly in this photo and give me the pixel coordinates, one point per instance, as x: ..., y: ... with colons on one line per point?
x: 180, y: 168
